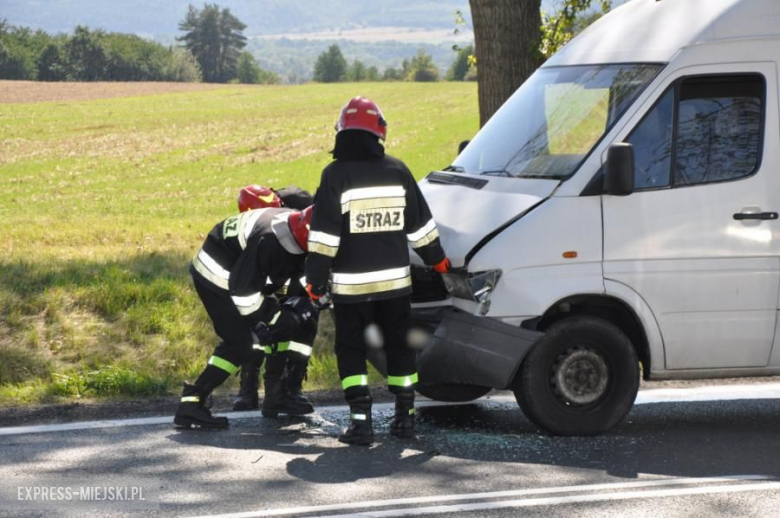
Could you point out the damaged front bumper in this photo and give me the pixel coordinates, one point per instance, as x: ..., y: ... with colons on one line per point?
x: 470, y: 350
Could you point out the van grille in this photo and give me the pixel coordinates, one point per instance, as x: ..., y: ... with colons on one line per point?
x: 427, y: 285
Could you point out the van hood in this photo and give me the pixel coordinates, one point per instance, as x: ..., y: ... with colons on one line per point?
x: 467, y: 207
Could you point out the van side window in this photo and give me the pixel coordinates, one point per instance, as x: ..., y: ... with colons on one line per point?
x: 718, y: 129
x: 712, y: 133
x: 652, y: 141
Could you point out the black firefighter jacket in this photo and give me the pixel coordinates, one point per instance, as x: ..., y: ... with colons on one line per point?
x: 367, y: 213
x: 250, y: 256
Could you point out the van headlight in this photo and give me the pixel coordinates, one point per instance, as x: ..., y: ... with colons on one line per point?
x: 472, y: 286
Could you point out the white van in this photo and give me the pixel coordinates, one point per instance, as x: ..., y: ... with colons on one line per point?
x: 624, y: 202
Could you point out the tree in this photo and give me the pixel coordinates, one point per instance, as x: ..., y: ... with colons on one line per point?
x: 331, y: 67
x: 422, y: 68
x: 247, y: 71
x: 559, y: 28
x: 215, y: 37
x: 51, y: 64
x: 506, y: 39
x: 356, y: 72
x: 392, y: 74
x: 86, y: 55
x: 512, y: 39
x: 372, y: 74
x: 182, y: 67
x: 461, y: 65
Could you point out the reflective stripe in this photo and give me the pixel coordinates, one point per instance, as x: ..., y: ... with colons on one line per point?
x: 275, y: 318
x: 268, y: 349
x: 367, y: 197
x: 190, y: 399
x: 377, y: 276
x: 374, y: 203
x: 282, y: 347
x: 371, y: 282
x: 430, y: 238
x: 373, y: 287
x: 415, y: 236
x: 205, y: 265
x: 246, y: 224
x: 324, y: 243
x: 324, y: 238
x: 402, y: 381
x: 248, y: 304
x: 223, y: 364
x: 319, y: 248
x: 427, y: 234
x: 358, y: 417
x: 258, y: 347
x: 358, y: 380
x: 300, y: 348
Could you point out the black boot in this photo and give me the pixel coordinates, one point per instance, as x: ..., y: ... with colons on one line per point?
x: 294, y: 375
x: 360, y: 431
x: 277, y: 400
x: 192, y: 410
x: 247, y: 398
x: 403, y: 422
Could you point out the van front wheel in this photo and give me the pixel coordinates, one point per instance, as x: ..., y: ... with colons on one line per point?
x: 581, y: 378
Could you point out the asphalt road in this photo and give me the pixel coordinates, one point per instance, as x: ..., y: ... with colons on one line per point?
x: 671, y: 457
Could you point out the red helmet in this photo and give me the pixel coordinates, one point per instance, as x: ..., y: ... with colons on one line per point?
x: 257, y: 197
x: 362, y: 114
x: 299, y: 222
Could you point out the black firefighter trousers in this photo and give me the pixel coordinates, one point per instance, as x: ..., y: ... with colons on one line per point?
x: 234, y: 331
x: 392, y: 316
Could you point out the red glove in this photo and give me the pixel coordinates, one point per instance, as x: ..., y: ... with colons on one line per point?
x: 443, y: 266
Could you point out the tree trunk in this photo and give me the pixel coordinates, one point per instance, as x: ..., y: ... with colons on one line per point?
x: 507, y: 34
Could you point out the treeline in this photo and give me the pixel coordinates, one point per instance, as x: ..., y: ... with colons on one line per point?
x: 212, y: 51
x: 332, y: 67
x: 90, y: 55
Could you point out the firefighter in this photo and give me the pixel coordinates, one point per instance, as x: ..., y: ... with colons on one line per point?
x: 368, y: 210
x: 242, y: 263
x: 287, y: 362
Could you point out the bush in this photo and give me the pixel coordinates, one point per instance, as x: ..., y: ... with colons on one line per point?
x: 422, y: 68
x: 182, y: 67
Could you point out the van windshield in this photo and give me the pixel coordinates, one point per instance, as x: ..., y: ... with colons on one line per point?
x: 552, y: 122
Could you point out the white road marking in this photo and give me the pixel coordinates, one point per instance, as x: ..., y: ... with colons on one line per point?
x: 559, y: 500
x: 514, y: 493
x: 677, y: 395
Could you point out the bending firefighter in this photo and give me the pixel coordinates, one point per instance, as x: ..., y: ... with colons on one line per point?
x: 244, y: 260
x: 367, y: 212
x: 287, y: 361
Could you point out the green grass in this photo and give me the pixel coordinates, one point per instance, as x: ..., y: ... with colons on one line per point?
x: 104, y: 202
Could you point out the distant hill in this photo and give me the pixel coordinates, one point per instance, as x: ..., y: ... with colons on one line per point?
x: 154, y: 17
x: 378, y: 32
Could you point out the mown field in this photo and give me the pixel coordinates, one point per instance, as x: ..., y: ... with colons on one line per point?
x: 104, y: 199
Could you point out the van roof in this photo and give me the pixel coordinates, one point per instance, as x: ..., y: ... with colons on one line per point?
x: 655, y: 30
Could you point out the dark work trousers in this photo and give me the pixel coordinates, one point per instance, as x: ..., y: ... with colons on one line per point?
x: 392, y: 316
x: 234, y: 330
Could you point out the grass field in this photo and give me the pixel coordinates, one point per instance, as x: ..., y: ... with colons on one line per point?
x: 104, y: 199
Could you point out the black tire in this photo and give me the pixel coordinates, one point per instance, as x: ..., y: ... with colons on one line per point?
x: 580, y: 379
x: 452, y: 392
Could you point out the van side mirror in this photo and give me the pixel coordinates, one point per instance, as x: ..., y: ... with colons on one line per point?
x: 462, y: 146
x: 619, y: 170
